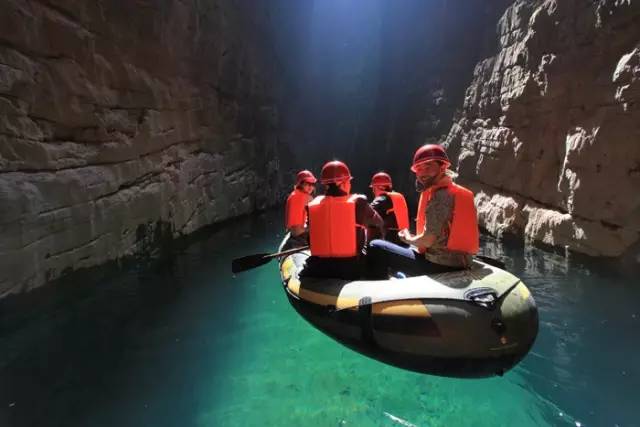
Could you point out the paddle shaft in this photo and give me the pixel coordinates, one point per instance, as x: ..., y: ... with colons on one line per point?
x: 253, y: 261
x: 288, y: 252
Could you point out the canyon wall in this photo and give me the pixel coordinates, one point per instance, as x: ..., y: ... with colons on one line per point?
x: 549, y: 134
x: 124, y: 122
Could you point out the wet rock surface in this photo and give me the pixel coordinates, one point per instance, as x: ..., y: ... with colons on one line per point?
x: 549, y: 131
x: 117, y: 116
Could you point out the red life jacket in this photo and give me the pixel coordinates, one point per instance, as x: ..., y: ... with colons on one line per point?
x: 332, y: 226
x: 399, y: 209
x: 295, y: 212
x: 463, y: 228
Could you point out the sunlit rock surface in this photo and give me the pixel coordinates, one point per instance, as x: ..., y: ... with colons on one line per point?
x: 550, y: 131
x: 125, y: 122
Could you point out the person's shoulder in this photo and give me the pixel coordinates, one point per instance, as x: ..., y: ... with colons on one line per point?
x: 382, y: 200
x: 441, y: 195
x: 295, y: 193
x: 359, y: 199
x: 299, y: 197
x: 461, y: 188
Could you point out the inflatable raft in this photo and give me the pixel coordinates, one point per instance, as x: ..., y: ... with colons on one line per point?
x: 470, y: 323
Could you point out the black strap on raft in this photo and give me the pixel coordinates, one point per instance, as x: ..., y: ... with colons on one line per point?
x: 508, y: 291
x: 491, y: 261
x: 366, y: 320
x: 488, y: 297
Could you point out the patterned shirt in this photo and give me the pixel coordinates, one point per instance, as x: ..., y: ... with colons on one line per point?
x: 439, y: 214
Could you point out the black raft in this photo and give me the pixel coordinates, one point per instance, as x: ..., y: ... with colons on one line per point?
x: 470, y: 323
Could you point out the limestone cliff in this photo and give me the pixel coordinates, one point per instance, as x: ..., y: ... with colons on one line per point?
x: 121, y: 121
x: 549, y: 134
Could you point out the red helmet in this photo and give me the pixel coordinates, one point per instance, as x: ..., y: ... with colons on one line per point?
x: 428, y: 153
x: 305, y: 176
x: 334, y: 172
x: 381, y: 178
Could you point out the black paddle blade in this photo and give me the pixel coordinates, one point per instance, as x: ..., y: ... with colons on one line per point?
x: 249, y: 262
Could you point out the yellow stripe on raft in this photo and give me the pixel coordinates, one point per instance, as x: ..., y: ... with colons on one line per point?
x: 324, y: 299
x: 321, y: 299
x: 286, y: 269
x: 524, y: 291
x: 294, y: 285
x: 412, y: 308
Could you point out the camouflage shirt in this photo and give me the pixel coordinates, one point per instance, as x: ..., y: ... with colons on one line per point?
x: 439, y: 214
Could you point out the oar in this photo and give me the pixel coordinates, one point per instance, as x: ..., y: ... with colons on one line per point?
x: 252, y: 261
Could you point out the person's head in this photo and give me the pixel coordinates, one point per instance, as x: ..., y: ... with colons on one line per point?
x: 306, y: 182
x: 430, y: 164
x: 335, y: 174
x: 380, y: 184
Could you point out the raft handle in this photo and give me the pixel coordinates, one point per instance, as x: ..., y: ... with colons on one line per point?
x: 488, y: 297
x: 484, y: 297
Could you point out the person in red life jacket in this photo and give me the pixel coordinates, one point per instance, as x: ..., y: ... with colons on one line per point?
x: 337, y: 226
x: 390, y: 205
x: 296, y: 212
x: 446, y: 223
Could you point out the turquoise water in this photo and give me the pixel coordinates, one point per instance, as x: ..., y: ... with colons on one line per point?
x: 183, y: 343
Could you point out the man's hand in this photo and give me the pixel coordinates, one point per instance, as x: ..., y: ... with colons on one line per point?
x: 405, y: 236
x: 297, y: 230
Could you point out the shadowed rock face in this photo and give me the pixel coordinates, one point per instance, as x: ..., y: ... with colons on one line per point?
x: 122, y: 120
x: 550, y: 130
x: 126, y: 122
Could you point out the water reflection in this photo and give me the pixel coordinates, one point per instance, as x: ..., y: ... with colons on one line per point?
x: 182, y: 342
x: 583, y: 364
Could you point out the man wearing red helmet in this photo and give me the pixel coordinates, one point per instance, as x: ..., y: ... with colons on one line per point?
x: 446, y: 223
x: 295, y: 211
x: 390, y: 205
x: 337, y: 224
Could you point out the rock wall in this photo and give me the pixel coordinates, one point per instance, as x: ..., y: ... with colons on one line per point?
x: 379, y: 76
x: 125, y: 121
x: 549, y: 135
x: 427, y: 51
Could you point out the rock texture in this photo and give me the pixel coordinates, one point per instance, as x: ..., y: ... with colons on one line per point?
x: 123, y: 121
x: 549, y: 135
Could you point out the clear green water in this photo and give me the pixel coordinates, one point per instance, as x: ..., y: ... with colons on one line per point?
x: 186, y: 344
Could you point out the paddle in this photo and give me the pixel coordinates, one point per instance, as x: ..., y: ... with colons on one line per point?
x: 252, y: 261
